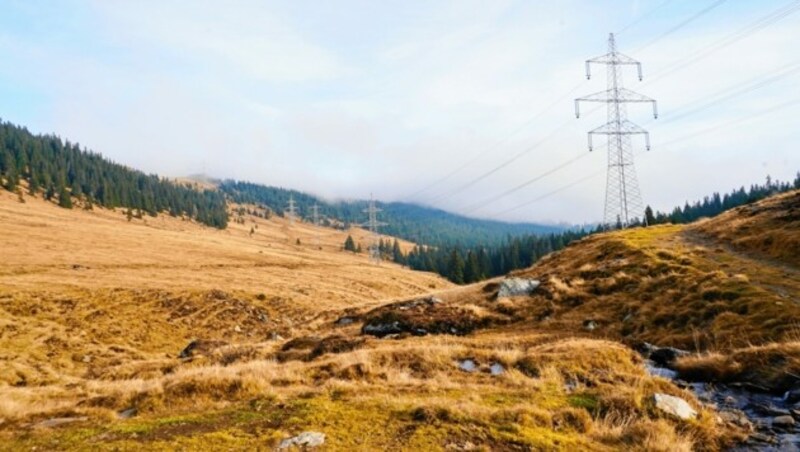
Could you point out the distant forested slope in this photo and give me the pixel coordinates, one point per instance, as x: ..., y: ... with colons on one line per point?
x: 408, y: 221
x: 61, y: 171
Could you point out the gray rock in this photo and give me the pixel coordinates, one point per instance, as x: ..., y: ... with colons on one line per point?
x: 382, y: 329
x: 512, y: 287
x: 127, y: 414
x: 55, y: 422
x: 496, y: 369
x: 785, y: 422
x: 468, y: 365
x: 589, y: 325
x: 345, y: 321
x: 674, y: 406
x: 304, y: 440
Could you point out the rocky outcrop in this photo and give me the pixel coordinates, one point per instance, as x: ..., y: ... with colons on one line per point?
x: 513, y: 287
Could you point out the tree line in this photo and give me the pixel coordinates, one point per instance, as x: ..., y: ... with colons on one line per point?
x: 715, y: 204
x: 61, y: 171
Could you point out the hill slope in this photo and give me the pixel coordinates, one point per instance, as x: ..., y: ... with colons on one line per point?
x: 518, y: 373
x: 81, y: 285
x: 719, y: 284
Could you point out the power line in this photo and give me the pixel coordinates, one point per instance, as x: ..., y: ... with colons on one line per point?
x: 642, y: 17
x: 498, y: 143
x: 497, y: 168
x: 643, y: 153
x: 541, y: 176
x: 680, y: 25
x: 731, y: 123
x: 750, y: 29
x: 740, y: 89
x: 551, y: 193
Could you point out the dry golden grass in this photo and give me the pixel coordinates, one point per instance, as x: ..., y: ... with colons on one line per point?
x: 773, y: 367
x: 96, y: 308
x: 768, y: 228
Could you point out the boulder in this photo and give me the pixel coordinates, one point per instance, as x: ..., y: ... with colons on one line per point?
x: 785, y: 422
x: 589, y: 325
x: 674, y: 406
x: 304, y: 440
x: 512, y: 287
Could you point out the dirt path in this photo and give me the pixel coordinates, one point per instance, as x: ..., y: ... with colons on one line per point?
x: 769, y: 274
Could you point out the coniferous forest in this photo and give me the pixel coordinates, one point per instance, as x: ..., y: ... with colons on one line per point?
x: 462, y: 264
x: 411, y: 222
x: 61, y: 171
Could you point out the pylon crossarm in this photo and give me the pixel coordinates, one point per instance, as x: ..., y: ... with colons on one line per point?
x: 613, y: 58
x: 625, y: 128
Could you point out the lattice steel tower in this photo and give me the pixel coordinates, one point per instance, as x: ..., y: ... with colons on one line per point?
x: 291, y: 211
x: 315, y: 217
x: 624, y: 204
x: 373, y: 224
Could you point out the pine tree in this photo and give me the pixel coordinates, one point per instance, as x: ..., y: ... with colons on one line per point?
x: 349, y: 244
x: 456, y: 267
x: 397, y: 253
x: 64, y: 199
x: 648, y: 215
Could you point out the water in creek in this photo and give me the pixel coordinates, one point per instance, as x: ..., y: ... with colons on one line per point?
x: 772, y: 417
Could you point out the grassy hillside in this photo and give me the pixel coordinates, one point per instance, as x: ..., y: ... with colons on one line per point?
x: 717, y: 284
x: 91, y: 333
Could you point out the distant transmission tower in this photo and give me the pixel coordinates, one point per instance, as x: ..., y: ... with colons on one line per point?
x: 291, y: 211
x: 315, y: 216
x: 624, y: 204
x: 373, y: 224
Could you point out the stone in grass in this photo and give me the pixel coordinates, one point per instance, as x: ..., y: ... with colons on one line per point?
x: 784, y: 422
x: 512, y: 287
x: 304, y: 440
x: 674, y: 406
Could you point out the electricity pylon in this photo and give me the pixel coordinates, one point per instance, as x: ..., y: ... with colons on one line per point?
x: 624, y: 204
x: 373, y: 224
x: 291, y: 211
x: 315, y: 217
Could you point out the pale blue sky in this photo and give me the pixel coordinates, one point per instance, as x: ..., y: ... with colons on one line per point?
x: 344, y: 98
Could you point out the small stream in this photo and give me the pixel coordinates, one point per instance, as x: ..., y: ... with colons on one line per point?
x: 771, y: 417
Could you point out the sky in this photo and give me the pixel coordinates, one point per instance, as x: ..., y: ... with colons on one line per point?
x: 411, y: 100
